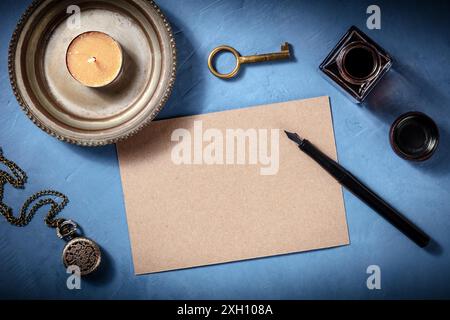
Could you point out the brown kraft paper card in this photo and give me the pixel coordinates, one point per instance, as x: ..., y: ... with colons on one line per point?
x: 230, y: 186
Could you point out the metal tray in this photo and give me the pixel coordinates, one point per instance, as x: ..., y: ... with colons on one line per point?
x: 71, y: 112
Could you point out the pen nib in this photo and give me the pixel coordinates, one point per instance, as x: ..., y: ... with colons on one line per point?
x: 294, y: 137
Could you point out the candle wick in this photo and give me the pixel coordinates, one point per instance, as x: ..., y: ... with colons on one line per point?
x: 92, y: 60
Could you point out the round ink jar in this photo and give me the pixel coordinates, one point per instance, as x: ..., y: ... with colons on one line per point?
x: 414, y: 136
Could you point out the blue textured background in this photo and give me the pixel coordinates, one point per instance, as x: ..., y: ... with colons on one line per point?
x: 415, y: 33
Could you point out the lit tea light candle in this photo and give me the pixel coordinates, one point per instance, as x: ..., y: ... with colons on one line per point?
x: 94, y: 59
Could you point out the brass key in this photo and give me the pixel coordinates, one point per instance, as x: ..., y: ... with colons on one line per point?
x: 284, y: 54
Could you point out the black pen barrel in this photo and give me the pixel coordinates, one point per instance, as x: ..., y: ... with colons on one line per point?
x: 365, y: 194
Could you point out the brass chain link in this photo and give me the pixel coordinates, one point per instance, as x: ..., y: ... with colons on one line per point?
x: 18, y: 180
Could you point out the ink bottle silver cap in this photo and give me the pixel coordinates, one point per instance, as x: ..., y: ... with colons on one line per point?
x: 356, y: 64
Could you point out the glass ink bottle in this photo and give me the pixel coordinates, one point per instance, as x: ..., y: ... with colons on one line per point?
x: 356, y: 64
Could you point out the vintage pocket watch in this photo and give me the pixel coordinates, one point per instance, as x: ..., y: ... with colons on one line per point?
x: 79, y: 251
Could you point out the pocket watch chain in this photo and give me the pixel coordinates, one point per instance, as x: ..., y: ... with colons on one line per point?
x: 18, y: 180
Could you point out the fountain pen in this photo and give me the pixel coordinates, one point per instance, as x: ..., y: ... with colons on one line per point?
x: 351, y: 183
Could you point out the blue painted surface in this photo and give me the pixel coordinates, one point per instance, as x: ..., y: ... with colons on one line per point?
x: 415, y: 33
